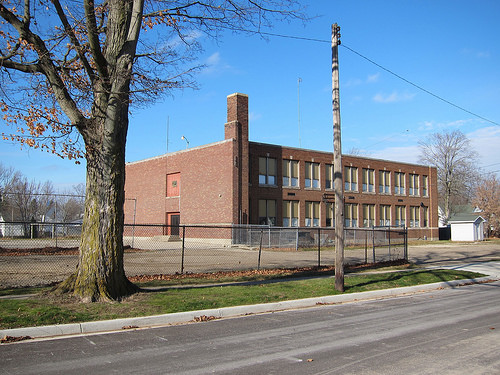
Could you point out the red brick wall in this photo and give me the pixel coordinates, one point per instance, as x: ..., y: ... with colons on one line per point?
x: 302, y: 194
x: 206, y: 186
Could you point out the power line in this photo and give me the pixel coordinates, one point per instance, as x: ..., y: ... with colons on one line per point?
x: 379, y: 66
x: 490, y: 165
x: 420, y: 87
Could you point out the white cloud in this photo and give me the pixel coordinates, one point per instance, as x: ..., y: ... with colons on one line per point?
x: 475, y: 53
x: 252, y: 116
x: 215, y: 64
x: 486, y: 142
x: 190, y: 37
x: 373, y: 78
x: 393, y: 98
x: 351, y: 83
x: 432, y: 126
x: 406, y: 154
x: 213, y: 59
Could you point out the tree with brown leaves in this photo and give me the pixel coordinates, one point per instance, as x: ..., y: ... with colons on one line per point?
x: 72, y: 71
x: 487, y: 199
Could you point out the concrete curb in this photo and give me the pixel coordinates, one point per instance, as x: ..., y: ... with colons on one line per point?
x: 225, y: 312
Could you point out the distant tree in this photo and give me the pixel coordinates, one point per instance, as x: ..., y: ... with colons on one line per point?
x: 487, y: 198
x: 354, y: 151
x: 70, y: 72
x: 6, y: 175
x: 456, y: 163
x: 28, y: 200
x: 70, y: 204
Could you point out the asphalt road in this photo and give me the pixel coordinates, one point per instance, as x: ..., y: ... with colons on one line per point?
x: 450, y: 331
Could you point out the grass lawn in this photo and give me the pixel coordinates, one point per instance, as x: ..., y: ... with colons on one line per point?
x: 45, y: 308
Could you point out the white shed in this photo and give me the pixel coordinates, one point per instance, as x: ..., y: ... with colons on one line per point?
x: 467, y: 227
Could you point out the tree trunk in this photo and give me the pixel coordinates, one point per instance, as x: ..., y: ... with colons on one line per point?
x: 100, y: 273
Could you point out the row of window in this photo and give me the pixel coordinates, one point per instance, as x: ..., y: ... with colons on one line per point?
x: 418, y: 216
x: 268, y: 176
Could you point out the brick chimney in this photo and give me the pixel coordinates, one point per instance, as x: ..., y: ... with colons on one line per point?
x: 237, y: 117
x: 237, y: 129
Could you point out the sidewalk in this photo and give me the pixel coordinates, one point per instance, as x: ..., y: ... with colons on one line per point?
x: 492, y: 269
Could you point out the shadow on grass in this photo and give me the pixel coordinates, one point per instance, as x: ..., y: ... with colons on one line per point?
x: 402, y: 279
x: 280, y: 275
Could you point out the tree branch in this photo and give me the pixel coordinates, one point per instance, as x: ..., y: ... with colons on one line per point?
x: 74, y: 39
x: 44, y: 65
x: 93, y: 37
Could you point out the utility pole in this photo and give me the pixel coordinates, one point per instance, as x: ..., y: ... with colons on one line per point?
x: 337, y: 164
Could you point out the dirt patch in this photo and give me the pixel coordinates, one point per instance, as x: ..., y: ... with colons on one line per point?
x: 295, y: 272
x: 48, y: 250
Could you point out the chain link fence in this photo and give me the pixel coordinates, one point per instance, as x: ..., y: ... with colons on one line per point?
x: 39, y: 254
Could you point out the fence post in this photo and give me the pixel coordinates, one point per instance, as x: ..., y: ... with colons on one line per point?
x: 373, y: 243
x: 390, y: 243
x: 297, y: 240
x: 319, y: 247
x: 260, y: 249
x: 405, y: 233
x: 366, y: 246
x: 269, y: 237
x: 183, y: 242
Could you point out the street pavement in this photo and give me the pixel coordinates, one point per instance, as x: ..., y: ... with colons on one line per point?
x: 475, y: 258
x: 443, y: 331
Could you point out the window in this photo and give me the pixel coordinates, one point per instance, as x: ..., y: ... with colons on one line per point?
x: 413, y: 184
x: 267, y: 212
x: 173, y: 184
x: 368, y: 180
x: 399, y: 183
x: 330, y: 214
x: 351, y: 178
x: 425, y: 186
x: 425, y: 216
x: 312, y: 175
x: 400, y: 216
x: 329, y: 179
x: 385, y: 215
x: 267, y: 171
x: 351, y: 215
x: 290, y: 173
x: 384, y: 182
x: 414, y: 216
x: 368, y: 215
x: 312, y: 214
x: 290, y: 213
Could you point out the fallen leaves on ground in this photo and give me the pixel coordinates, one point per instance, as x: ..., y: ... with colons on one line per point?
x: 7, y: 339
x: 293, y: 272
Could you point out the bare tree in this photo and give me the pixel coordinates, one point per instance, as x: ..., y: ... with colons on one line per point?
x: 70, y: 204
x: 77, y: 68
x: 28, y: 201
x: 456, y: 162
x: 6, y: 175
x: 487, y: 198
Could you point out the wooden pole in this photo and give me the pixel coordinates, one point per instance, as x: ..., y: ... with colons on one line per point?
x: 337, y: 164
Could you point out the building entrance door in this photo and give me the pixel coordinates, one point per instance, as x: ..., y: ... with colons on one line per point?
x: 173, y: 221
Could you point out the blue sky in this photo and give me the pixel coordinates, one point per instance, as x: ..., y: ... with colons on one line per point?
x: 450, y: 48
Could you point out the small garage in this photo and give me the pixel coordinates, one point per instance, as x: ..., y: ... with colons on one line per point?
x: 467, y: 227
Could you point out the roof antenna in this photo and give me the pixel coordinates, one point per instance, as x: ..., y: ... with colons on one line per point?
x: 298, y: 104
